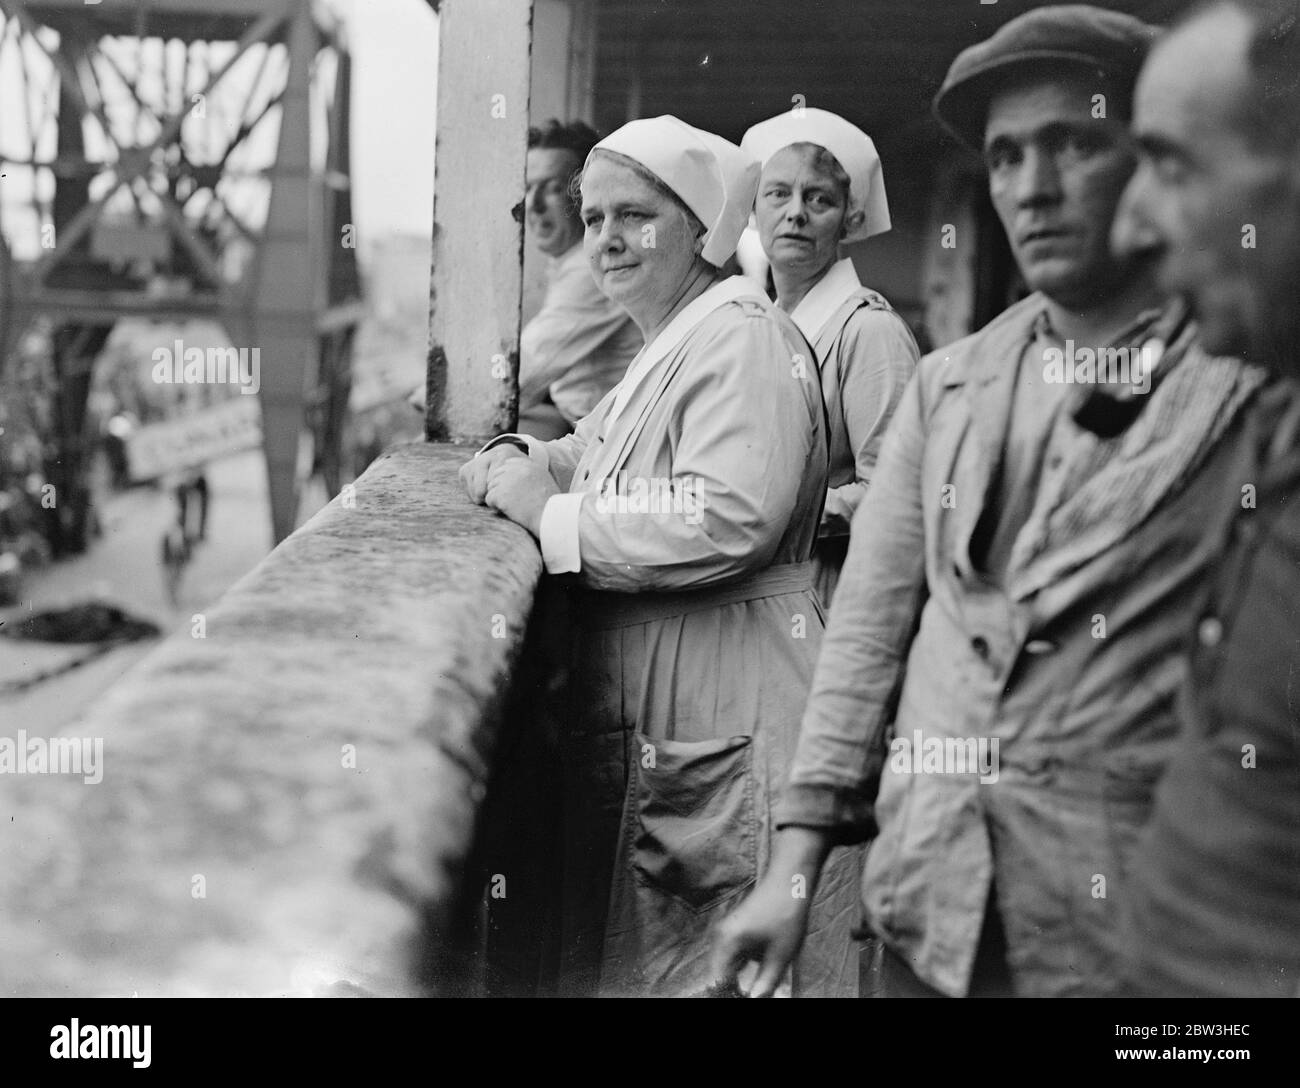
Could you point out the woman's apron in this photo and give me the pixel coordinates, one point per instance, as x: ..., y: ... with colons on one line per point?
x: 684, y: 714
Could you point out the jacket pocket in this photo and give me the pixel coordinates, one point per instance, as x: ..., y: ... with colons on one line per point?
x: 693, y: 829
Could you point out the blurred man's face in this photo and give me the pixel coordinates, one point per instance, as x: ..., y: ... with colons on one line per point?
x: 551, y: 216
x: 1221, y: 214
x: 1056, y: 173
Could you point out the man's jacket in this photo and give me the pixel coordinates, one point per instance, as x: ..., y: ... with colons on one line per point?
x: 1216, y: 903
x: 1070, y: 664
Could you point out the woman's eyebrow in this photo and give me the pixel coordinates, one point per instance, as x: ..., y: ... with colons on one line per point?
x: 618, y: 206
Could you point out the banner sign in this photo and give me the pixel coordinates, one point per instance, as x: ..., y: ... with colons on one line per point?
x: 189, y: 441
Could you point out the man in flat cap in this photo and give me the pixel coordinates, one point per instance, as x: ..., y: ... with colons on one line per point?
x: 994, y: 699
x: 1215, y: 896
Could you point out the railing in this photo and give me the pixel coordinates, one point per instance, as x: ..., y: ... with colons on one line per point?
x: 292, y: 791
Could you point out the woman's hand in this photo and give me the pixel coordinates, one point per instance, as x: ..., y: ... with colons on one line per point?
x: 518, y: 488
x: 474, y: 472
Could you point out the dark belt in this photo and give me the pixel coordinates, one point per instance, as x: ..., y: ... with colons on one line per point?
x: 601, y: 610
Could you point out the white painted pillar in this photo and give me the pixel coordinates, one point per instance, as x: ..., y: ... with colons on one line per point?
x: 482, y: 129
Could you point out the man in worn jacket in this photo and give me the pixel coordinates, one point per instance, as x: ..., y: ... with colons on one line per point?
x: 1215, y: 907
x: 993, y: 702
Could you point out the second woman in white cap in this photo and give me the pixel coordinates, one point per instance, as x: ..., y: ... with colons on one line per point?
x: 822, y: 187
x: 683, y: 510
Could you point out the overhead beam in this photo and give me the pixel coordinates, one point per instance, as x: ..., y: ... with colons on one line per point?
x: 80, y: 304
x: 135, y: 162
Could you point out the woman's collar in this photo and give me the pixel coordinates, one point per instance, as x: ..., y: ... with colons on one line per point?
x: 827, y: 295
x: 672, y: 334
x: 716, y: 294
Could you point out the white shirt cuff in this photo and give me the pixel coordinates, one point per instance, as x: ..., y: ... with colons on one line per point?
x: 559, y: 533
x: 536, y: 448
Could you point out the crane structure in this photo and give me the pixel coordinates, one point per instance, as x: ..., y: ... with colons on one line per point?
x: 180, y: 159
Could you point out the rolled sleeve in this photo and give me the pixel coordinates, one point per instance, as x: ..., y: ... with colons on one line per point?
x: 848, y: 814
x: 860, y: 671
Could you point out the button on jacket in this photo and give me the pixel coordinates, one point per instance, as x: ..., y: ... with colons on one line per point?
x: 1070, y: 661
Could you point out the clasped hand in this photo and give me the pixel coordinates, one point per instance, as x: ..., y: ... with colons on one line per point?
x: 511, y: 483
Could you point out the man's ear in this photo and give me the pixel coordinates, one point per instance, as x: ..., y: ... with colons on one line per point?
x: 852, y: 222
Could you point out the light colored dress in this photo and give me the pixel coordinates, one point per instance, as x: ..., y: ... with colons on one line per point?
x: 866, y: 355
x: 696, y: 630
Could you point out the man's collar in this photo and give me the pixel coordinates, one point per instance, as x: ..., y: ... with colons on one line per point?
x: 571, y: 258
x: 1160, y: 321
x: 1155, y: 340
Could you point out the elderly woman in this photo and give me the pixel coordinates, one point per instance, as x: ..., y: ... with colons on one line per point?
x: 683, y: 511
x: 821, y: 188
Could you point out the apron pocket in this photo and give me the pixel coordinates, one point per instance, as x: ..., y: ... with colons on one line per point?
x: 693, y: 828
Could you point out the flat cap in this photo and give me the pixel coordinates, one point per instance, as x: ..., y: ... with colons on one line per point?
x: 1105, y: 43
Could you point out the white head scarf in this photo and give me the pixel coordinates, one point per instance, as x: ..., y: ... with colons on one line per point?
x: 848, y: 143
x: 711, y: 176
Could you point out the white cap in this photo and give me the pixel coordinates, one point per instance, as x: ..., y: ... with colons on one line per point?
x: 711, y: 176
x: 848, y: 143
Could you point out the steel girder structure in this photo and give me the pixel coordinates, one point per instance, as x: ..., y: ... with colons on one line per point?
x: 188, y: 158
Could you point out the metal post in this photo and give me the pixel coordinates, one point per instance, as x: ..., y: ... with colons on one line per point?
x: 284, y: 318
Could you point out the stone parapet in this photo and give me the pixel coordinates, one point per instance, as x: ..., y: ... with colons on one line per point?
x: 290, y: 790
